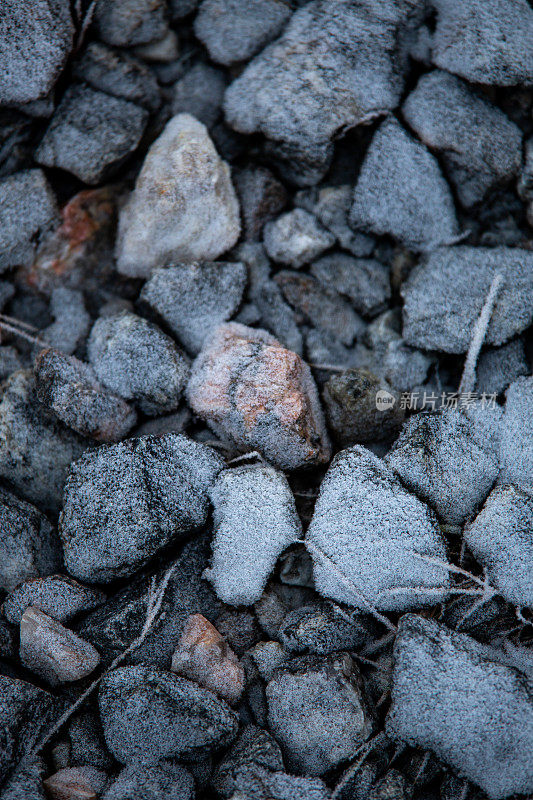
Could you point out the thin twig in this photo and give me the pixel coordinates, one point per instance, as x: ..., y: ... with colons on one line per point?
x: 468, y: 379
x: 32, y: 339
x: 329, y: 367
x: 18, y: 322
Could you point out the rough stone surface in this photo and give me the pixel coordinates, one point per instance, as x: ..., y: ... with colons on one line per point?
x: 498, y: 367
x: 456, y: 698
x: 200, y: 93
x: 258, y: 783
x: 75, y: 783
x: 167, y: 779
x: 370, y: 538
x: 193, y: 209
x: 150, y: 714
x: 485, y: 41
x: 246, y: 546
x: 253, y: 747
x: 295, y: 238
x: 53, y: 652
x: 331, y: 205
x: 129, y: 22
x: 365, y: 282
x: 58, y: 596
x: 136, y: 360
x: 35, y: 449
x: 434, y: 318
x: 261, y: 197
x: 35, y: 40
x: 29, y: 546
x: 26, y: 781
x: 27, y: 210
x: 278, y: 317
x: 450, y: 459
x: 86, y: 740
x: 318, y: 713
x: 69, y: 388
x: 262, y: 396
x: 203, y: 656
x: 91, y: 133
x: 321, y: 629
x: 194, y: 299
x: 126, y: 501
x: 480, y: 146
x: 516, y: 454
x: 71, y: 320
x: 402, y: 192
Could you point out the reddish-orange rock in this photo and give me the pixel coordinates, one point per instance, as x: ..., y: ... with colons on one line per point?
x: 72, y: 784
x: 252, y: 390
x: 202, y: 655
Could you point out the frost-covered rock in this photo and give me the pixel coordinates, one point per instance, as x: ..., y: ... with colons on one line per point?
x: 516, y: 454
x: 401, y: 192
x: 295, y: 238
x: 246, y: 545
x: 480, y: 146
x: 498, y: 367
x: 263, y: 397
x: 372, y: 542
x: 183, y: 207
x: 331, y: 205
x: 464, y: 702
x: 59, y: 596
x: 261, y: 196
x: 200, y: 93
x: 166, y: 779
x: 435, y: 318
x: 129, y: 22
x: 364, y: 281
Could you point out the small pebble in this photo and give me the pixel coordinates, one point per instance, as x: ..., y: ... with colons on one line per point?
x: 296, y: 238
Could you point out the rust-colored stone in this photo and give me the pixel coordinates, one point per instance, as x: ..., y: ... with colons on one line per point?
x: 69, y: 784
x: 202, y: 655
x: 251, y: 389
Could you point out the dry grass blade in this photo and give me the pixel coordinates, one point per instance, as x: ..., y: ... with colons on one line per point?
x: 468, y: 379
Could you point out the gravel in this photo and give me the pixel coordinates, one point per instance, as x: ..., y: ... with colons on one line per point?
x: 165, y: 779
x: 200, y: 93
x: 516, y: 453
x: 296, y: 238
x: 58, y: 596
x: 364, y: 281
x: 130, y: 22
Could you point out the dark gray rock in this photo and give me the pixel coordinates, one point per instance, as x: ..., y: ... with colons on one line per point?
x: 71, y: 320
x: 70, y: 389
x: 450, y: 459
x: 150, y: 714
x: 485, y: 41
x: 181, y: 8
x: 456, y: 698
x: 129, y: 22
x: 136, y: 360
x: 516, y: 454
x: 26, y: 782
x: 369, y: 538
x: 10, y: 361
x: 27, y: 211
x: 501, y: 539
x: 246, y: 547
x: 278, y: 317
x: 172, y: 423
x: 261, y: 197
x: 35, y: 449
x: 200, y: 93
x: 258, y: 783
x: 366, y: 282
x: 322, y: 629
x: 335, y: 65
x: 479, y: 145
x: 498, y: 367
x: 29, y: 546
x: 194, y: 299
x: 331, y: 206
x: 91, y: 133
x: 126, y: 501
x: 253, y: 747
x: 318, y: 712
x: 8, y: 641
x: 434, y: 318
x: 118, y: 74
x: 295, y: 238
x: 35, y: 41
x: 58, y: 596
x: 87, y: 743
x: 401, y: 192
x: 166, y: 779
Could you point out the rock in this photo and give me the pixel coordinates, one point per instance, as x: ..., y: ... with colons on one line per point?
x: 278, y: 317
x: 150, y: 714
x: 75, y: 783
x: 361, y: 408
x: 516, y: 453
x: 164, y: 50
x: 401, y: 192
x: 501, y: 540
x: 392, y: 787
x: 26, y: 713
x: 29, y: 546
x: 498, y: 367
x: 172, y: 423
x: 318, y: 713
x: 260, y: 395
x: 258, y: 783
x: 485, y: 42
x: 129, y: 22
x: 254, y: 747
x: 183, y: 207
x: 479, y: 145
x: 35, y: 41
x: 261, y: 197
x: 70, y: 389
x: 233, y: 33
x: 166, y: 779
x: 336, y: 65
x: 8, y: 643
x: 239, y: 628
x: 181, y: 8
x: 91, y: 133
x: 52, y: 652
x: 331, y: 205
x: 124, y: 502
x: 136, y: 360
x: 71, y: 320
x: 453, y: 696
x: 118, y: 74
x: 27, y: 210
x: 320, y: 306
x: 26, y: 781
x: 35, y: 449
x: 194, y: 299
x: 58, y: 596
x: 246, y: 547
x: 10, y: 361
x: 86, y: 741
x: 370, y: 538
x: 364, y: 281
x: 436, y: 319
x: 449, y: 459
x: 321, y: 629
x: 203, y: 656
x: 200, y: 93
x: 296, y: 238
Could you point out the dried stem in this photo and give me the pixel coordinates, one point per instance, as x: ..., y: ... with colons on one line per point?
x: 468, y: 379
x: 32, y: 339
